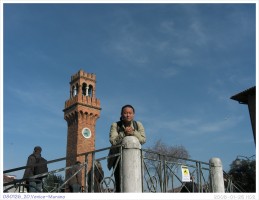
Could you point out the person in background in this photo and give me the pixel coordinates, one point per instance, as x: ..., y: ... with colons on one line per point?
x: 35, y: 185
x: 75, y: 183
x: 127, y: 126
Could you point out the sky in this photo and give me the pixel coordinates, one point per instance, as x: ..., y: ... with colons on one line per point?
x: 177, y: 64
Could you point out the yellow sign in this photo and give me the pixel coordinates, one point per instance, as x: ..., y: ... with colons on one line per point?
x: 185, y: 174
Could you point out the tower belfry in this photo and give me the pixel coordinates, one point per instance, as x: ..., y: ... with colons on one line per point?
x: 81, y: 112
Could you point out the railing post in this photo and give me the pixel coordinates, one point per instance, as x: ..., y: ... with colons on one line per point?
x: 85, y: 189
x: 92, y: 173
x: 165, y: 174
x: 216, y: 175
x: 199, y: 178
x: 131, y: 165
x: 160, y: 173
x: 142, y: 169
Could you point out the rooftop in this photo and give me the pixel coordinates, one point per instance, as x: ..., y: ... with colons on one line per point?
x: 242, y: 97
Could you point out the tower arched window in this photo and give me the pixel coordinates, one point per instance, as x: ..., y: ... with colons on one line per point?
x: 74, y: 88
x: 84, y: 89
x: 90, y: 91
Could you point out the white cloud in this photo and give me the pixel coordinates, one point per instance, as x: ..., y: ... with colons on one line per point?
x: 194, y: 126
x: 169, y: 72
x: 200, y: 37
x: 168, y: 27
x: 44, y: 99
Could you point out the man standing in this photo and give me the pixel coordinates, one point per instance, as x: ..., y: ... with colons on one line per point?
x: 35, y: 185
x: 123, y: 128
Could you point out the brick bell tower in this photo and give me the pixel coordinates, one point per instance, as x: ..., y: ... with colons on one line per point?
x: 81, y: 112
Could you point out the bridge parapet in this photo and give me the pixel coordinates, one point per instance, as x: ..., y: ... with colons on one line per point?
x: 153, y: 172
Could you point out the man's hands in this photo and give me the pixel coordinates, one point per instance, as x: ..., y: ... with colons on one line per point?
x: 129, y: 131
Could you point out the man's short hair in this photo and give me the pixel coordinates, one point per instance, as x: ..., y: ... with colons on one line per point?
x: 37, y: 148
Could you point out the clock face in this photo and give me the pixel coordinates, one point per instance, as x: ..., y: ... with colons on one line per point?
x: 86, y: 132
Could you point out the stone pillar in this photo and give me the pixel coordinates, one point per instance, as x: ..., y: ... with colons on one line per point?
x: 216, y: 176
x: 131, y: 165
x: 87, y: 93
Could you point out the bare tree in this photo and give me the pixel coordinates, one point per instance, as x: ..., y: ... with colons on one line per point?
x: 161, y: 159
x: 164, y: 152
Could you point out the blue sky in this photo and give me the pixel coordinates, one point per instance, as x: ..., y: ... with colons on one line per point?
x: 177, y: 64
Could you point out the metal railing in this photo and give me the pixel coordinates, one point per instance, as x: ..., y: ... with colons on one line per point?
x: 163, y: 173
x: 160, y: 173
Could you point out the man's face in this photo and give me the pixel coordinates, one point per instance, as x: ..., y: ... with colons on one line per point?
x: 37, y: 151
x: 127, y: 114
